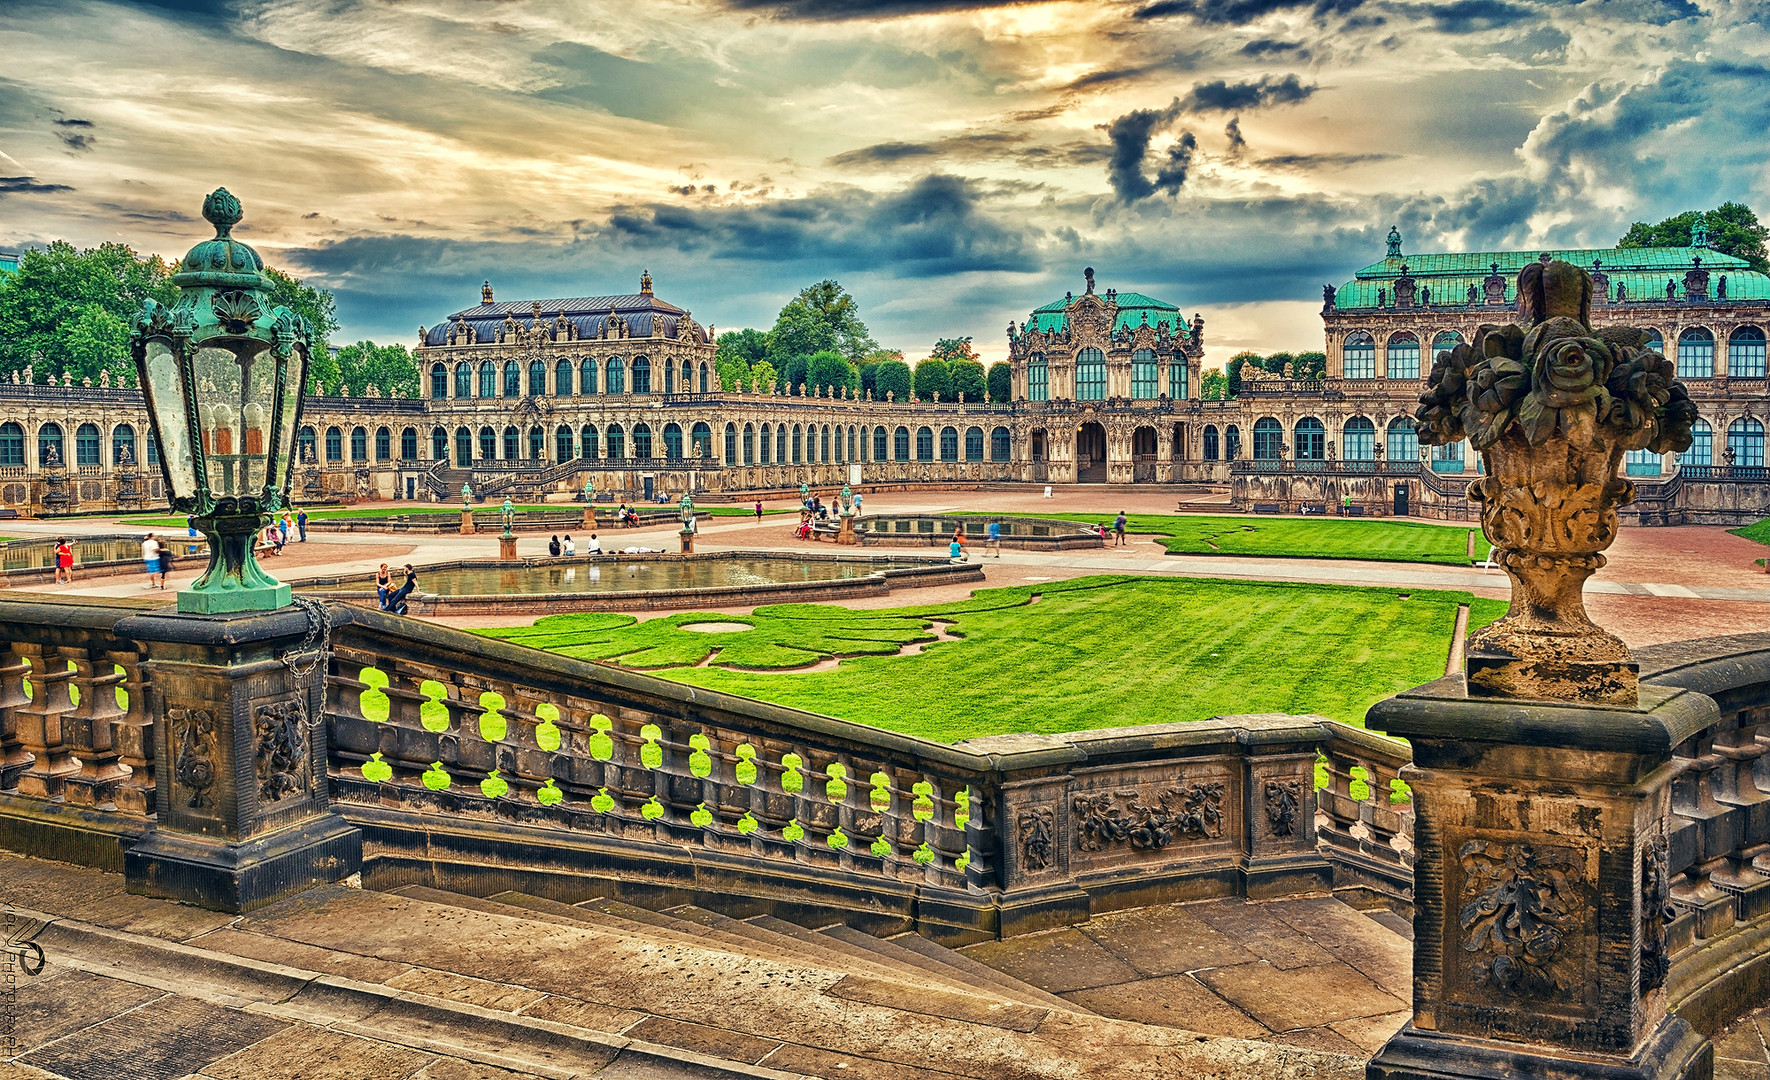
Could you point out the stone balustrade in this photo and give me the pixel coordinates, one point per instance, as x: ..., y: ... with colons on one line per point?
x: 1364, y: 819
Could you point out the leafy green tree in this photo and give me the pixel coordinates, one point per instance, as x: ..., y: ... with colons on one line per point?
x: 821, y: 318
x: 892, y: 377
x: 1001, y: 382
x: 968, y: 380
x: 934, y: 380
x: 388, y: 368
x: 1277, y: 361
x: 762, y: 376
x: 950, y: 349
x: 1215, y: 385
x: 1733, y: 230
x: 794, y: 370
x: 70, y: 310
x: 869, y: 368
x: 733, y: 371
x: 1310, y: 365
x: 747, y: 345
x: 96, y: 341
x: 830, y: 369
x: 1232, y: 371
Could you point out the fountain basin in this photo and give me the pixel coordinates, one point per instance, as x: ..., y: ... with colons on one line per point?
x: 936, y: 530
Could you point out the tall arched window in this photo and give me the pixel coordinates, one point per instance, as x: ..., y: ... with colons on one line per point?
x: 1702, y: 445
x: 1655, y: 340
x: 463, y: 380
x: 669, y: 376
x: 1001, y: 445
x: 750, y: 444
x: 1403, y: 441
x: 672, y: 440
x: 705, y: 379
x: 780, y: 444
x: 1404, y: 356
x: 901, y: 438
x: 1143, y: 374
x: 614, y: 376
x: 767, y: 451
x: 924, y: 444
x: 687, y: 383
x: 88, y: 449
x: 881, y: 445
x: 334, y: 444
x: 823, y: 445
x: 1311, y: 439
x: 1090, y: 375
x: 1696, y: 354
x: 1358, y: 439
x: 408, y: 444
x: 974, y: 444
x: 562, y: 379
x: 439, y: 444
x: 123, y: 439
x: 642, y: 441
x: 1448, y: 458
x: 1038, y: 378
x: 488, y: 379
x: 562, y: 442
x: 700, y: 440
x: 1445, y: 342
x: 153, y: 448
x: 488, y: 444
x: 463, y: 448
x: 589, y: 445
x: 1359, y: 356
x: 1268, y: 438
x: 512, y: 379
x: 1746, y: 438
x: 615, y: 443
x: 439, y: 381
x: 731, y: 444
x: 537, y: 379
x: 949, y: 444
x: 1210, y: 442
x: 305, y: 448
x: 1231, y: 442
x: 1179, y: 371
x: 512, y: 443
x: 798, y: 448
x: 587, y: 377
x: 641, y: 375
x: 383, y: 444
x: 359, y: 444
x: 49, y: 436
x: 1745, y: 353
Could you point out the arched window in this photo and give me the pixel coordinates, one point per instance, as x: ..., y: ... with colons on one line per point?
x: 615, y: 443
x: 383, y: 444
x: 588, y: 443
x: 840, y: 456
x: 705, y: 380
x: 1358, y: 440
x: 439, y: 381
x: 669, y: 376
x: 304, y: 443
x: 615, y: 376
x: 537, y: 379
x: 881, y: 445
x: 463, y: 380
x: 122, y: 439
x: 1403, y: 442
x: 537, y: 443
x: 854, y: 443
x: 408, y: 444
x: 153, y: 448
x: 587, y: 377
x: 1210, y: 442
x: 1231, y: 442
x: 1311, y: 439
x: 463, y: 448
x: 823, y: 451
x: 1143, y: 374
x: 1655, y: 340
x: 1038, y: 378
x: 1448, y: 458
x: 1404, y: 356
x: 750, y: 444
x: 700, y: 440
x: 439, y: 444
x: 1179, y: 371
x: 488, y: 444
x: 949, y: 444
x: 562, y: 442
x: 87, y: 446
x: 1268, y: 438
x: 562, y: 379
x: 1090, y: 375
x: 1001, y: 445
x: 1702, y: 445
x: 488, y: 379
x: 974, y: 444
x: 1445, y: 342
x: 687, y: 383
x: 797, y: 448
x: 731, y: 444
x: 1696, y: 354
x: 1746, y: 437
x: 1359, y: 356
x: 672, y: 440
x: 48, y: 436
x: 512, y: 379
x: 1745, y: 353
x: 924, y: 444
x: 901, y: 439
x: 359, y: 444
x: 767, y: 450
x: 641, y: 375
x: 512, y: 443
x: 1642, y: 463
x: 780, y: 445
x: 334, y: 444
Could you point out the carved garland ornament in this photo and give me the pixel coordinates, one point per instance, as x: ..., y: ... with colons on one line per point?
x: 1180, y: 813
x: 1657, y: 912
x: 1036, y: 829
x: 281, y: 727
x: 1282, y: 799
x: 1519, y: 905
x: 194, y: 763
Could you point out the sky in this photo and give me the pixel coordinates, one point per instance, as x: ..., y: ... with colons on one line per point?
x: 953, y: 163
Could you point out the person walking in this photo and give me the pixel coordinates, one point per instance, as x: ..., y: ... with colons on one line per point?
x: 1118, y: 528
x: 150, y: 557
x: 301, y: 524
x: 64, y: 561
x: 857, y: 503
x: 995, y: 538
x: 758, y: 509
x: 553, y: 546
x: 165, y: 563
x: 569, y: 547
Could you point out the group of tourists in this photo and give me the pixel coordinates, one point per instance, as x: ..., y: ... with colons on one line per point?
x: 569, y: 547
x: 156, y: 559
x: 276, y: 534
x: 394, y: 600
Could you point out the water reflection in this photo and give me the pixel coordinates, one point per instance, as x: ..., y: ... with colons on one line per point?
x: 626, y: 575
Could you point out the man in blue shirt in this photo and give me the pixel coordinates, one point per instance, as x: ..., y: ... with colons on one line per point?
x: 1118, y: 528
x: 994, y: 537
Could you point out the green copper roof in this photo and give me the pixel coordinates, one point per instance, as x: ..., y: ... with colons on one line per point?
x: 8, y: 263
x: 1133, y: 307
x: 1643, y: 273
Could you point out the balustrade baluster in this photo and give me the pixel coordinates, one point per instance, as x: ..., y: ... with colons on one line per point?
x: 133, y: 735
x: 40, y: 723
x: 87, y: 729
x: 1709, y: 834
x: 14, y: 758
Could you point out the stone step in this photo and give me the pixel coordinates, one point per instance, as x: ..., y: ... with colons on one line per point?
x: 860, y: 944
x: 976, y: 972
x: 1389, y: 920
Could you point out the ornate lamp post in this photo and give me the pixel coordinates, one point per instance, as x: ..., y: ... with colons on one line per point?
x: 222, y: 370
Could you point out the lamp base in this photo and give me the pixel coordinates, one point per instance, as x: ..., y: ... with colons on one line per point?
x: 227, y: 601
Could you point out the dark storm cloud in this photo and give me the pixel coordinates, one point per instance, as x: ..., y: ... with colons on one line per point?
x: 1238, y: 145
x: 1238, y: 12
x: 1655, y: 12
x: 28, y: 185
x: 1224, y: 96
x: 1171, y: 175
x: 1274, y: 47
x: 1130, y: 135
x: 832, y: 10
x: 212, y: 8
x: 1306, y: 162
x: 1471, y: 16
x: 960, y: 147
x: 76, y: 135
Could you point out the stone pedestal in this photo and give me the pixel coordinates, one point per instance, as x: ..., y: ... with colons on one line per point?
x: 242, y: 811
x: 507, y: 548
x: 589, y: 517
x: 1540, y: 887
x: 845, y: 534
x: 467, y: 526
x: 687, y: 536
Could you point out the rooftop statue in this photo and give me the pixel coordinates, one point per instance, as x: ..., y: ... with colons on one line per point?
x: 1552, y: 405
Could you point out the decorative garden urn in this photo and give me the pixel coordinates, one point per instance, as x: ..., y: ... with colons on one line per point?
x: 1552, y: 404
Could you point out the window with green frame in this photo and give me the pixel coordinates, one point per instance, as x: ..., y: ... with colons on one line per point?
x: 1143, y: 374
x: 1090, y: 375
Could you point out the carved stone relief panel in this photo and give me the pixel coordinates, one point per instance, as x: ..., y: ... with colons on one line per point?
x: 1524, y: 919
x: 1283, y: 800
x: 194, y: 764
x: 282, y: 761
x: 1168, y: 816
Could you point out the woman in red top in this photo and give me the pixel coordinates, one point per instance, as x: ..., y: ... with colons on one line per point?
x: 64, y: 561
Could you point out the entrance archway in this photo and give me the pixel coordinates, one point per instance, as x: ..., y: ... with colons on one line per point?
x: 1143, y: 455
x: 1090, y: 454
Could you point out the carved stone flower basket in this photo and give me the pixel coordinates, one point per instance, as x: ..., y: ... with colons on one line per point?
x: 1552, y: 404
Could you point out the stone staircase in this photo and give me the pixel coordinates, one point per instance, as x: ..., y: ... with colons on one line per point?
x: 421, y: 984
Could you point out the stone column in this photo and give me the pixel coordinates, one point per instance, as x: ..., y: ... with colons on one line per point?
x: 242, y: 811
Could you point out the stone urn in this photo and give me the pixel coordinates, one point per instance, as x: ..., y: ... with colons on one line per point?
x: 1552, y: 404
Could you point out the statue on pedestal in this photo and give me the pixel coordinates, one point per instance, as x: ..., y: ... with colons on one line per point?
x: 507, y: 514
x: 466, y: 496
x: 687, y: 507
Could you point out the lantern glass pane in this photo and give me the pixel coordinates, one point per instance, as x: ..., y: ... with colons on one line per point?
x: 233, y: 410
x: 294, y: 371
x: 167, y: 399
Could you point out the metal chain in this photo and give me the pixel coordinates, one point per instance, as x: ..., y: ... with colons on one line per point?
x: 303, y: 660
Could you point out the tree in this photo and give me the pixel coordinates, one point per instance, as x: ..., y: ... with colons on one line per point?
x: 822, y: 317
x: 1232, y: 372
x: 1001, y: 382
x: 1733, y: 230
x: 832, y: 370
x: 1215, y: 385
x: 388, y: 368
x: 968, y: 380
x: 951, y: 349
x: 891, y: 377
x: 869, y: 367
x: 747, y: 345
x: 794, y: 369
x: 1277, y: 362
x: 70, y: 310
x: 732, y: 371
x: 934, y: 380
x: 762, y: 376
x: 1310, y: 365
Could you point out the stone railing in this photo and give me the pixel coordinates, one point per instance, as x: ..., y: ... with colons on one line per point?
x: 1364, y: 821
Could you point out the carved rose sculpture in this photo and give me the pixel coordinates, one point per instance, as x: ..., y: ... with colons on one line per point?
x: 1552, y: 405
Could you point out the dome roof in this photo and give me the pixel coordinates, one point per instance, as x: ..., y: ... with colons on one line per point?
x: 221, y: 262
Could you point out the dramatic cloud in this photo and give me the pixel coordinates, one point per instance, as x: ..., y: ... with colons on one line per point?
x: 28, y: 185
x: 868, y: 9
x: 1274, y: 47
x: 1130, y: 135
x: 1225, y: 96
x: 959, y: 147
x: 76, y: 135
x: 1237, y: 144
x: 1469, y: 16
x: 1239, y: 12
x: 1171, y: 175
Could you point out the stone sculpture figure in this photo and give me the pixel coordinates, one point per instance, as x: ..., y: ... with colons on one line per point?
x: 507, y: 514
x: 1552, y: 405
x: 466, y: 496
x: 687, y: 508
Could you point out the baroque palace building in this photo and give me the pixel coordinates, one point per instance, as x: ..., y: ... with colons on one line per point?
x: 533, y: 398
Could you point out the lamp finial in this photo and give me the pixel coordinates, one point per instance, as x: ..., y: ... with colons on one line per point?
x: 221, y: 210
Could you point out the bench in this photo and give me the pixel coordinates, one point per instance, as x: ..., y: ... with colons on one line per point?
x: 7, y: 513
x: 1352, y: 511
x: 1313, y: 508
x: 1268, y: 508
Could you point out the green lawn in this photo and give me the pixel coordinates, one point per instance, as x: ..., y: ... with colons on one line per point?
x: 1093, y: 652
x: 1759, y: 531
x: 1298, y: 537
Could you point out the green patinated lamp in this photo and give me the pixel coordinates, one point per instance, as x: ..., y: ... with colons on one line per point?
x: 222, y: 370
